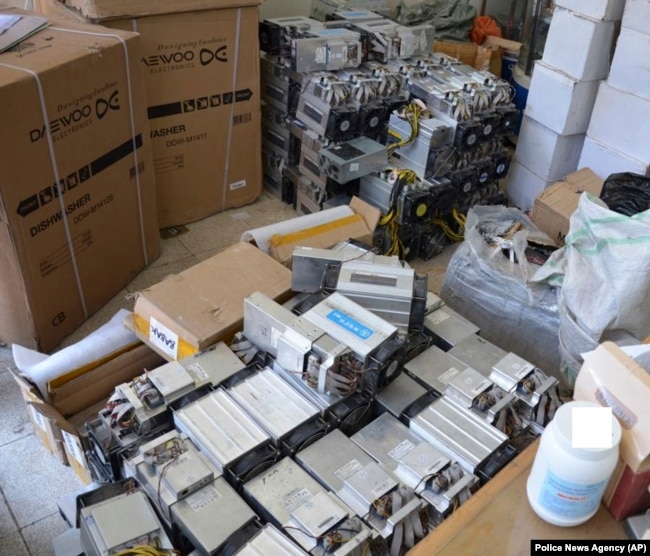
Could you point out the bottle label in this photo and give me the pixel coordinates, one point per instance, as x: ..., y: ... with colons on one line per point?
x: 568, y: 499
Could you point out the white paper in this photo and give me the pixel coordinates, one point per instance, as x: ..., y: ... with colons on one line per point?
x: 261, y: 236
x: 41, y: 368
x: 8, y: 21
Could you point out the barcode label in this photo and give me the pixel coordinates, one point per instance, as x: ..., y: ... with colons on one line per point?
x: 238, y: 119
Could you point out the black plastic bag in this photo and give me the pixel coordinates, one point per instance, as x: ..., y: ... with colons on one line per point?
x: 626, y: 193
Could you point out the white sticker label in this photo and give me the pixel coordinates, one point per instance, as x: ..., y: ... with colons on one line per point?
x: 348, y: 469
x: 382, y: 488
x: 163, y: 338
x: 237, y: 185
x: 198, y: 373
x: 275, y: 336
x: 448, y: 376
x: 484, y: 385
x: 403, y: 448
x: 438, y: 316
x: 203, y: 498
x: 73, y: 445
x: 321, y: 55
x: 296, y: 498
x: 354, y: 167
x: 40, y: 420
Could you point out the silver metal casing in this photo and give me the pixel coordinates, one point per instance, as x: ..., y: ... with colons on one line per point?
x: 270, y: 542
x: 351, y: 324
x: 478, y: 353
x: 277, y: 407
x: 458, y: 433
x: 290, y: 498
x: 434, y: 369
x: 220, y: 428
x: 449, y: 327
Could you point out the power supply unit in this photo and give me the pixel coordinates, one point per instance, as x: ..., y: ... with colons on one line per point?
x: 448, y: 327
x: 353, y: 16
x: 326, y: 50
x: 434, y: 369
x: 290, y: 419
x: 289, y: 498
x: 477, y: 446
x: 478, y: 353
x: 352, y: 159
x: 169, y: 468
x: 236, y: 445
x: 403, y: 396
x: 437, y: 479
x: 374, y: 493
x: 215, y: 519
x: 396, y: 294
x: 121, y: 523
x: 270, y: 542
x: 275, y: 34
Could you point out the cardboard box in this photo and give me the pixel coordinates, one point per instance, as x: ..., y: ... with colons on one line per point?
x: 78, y: 217
x: 604, y: 160
x: 51, y: 420
x: 579, y: 46
x: 636, y: 15
x: 619, y: 120
x: 472, y: 54
x: 202, y: 81
x: 100, y: 10
x: 610, y: 378
x: 609, y: 10
x: 630, y: 70
x: 555, y: 205
x: 559, y: 101
x: 359, y: 225
x: 546, y: 153
x: 524, y: 186
x: 195, y: 309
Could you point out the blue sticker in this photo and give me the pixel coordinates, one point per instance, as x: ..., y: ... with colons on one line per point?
x: 569, y: 499
x: 349, y: 324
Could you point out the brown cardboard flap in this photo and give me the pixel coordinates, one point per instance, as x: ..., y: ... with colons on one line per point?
x: 204, y: 304
x: 100, y: 10
x: 78, y: 394
x: 370, y: 214
x: 612, y: 379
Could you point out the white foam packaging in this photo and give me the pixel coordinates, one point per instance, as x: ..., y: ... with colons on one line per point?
x: 560, y: 102
x: 604, y: 160
x: 524, y: 186
x: 578, y: 45
x: 546, y: 153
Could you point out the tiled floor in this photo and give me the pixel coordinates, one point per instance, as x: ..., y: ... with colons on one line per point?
x: 31, y: 480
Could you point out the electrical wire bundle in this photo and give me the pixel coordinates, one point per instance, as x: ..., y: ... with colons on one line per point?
x: 408, y: 531
x: 120, y: 411
x: 147, y: 550
x: 411, y: 113
x: 459, y: 218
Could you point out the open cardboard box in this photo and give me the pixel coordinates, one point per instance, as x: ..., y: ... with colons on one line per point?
x: 611, y: 378
x: 60, y: 424
x: 359, y: 225
x: 190, y: 311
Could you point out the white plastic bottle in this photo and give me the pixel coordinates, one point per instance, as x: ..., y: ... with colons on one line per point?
x: 566, y: 484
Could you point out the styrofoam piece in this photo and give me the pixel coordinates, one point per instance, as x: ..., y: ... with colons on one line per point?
x: 630, y: 70
x: 620, y: 120
x: 637, y: 15
x: 560, y: 102
x: 609, y: 10
x: 604, y: 160
x: 524, y: 186
x: 548, y: 154
x: 578, y: 45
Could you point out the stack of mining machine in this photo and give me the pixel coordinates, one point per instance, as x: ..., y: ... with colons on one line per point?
x: 360, y: 105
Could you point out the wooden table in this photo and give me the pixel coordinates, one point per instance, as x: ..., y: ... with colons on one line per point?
x: 498, y: 520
